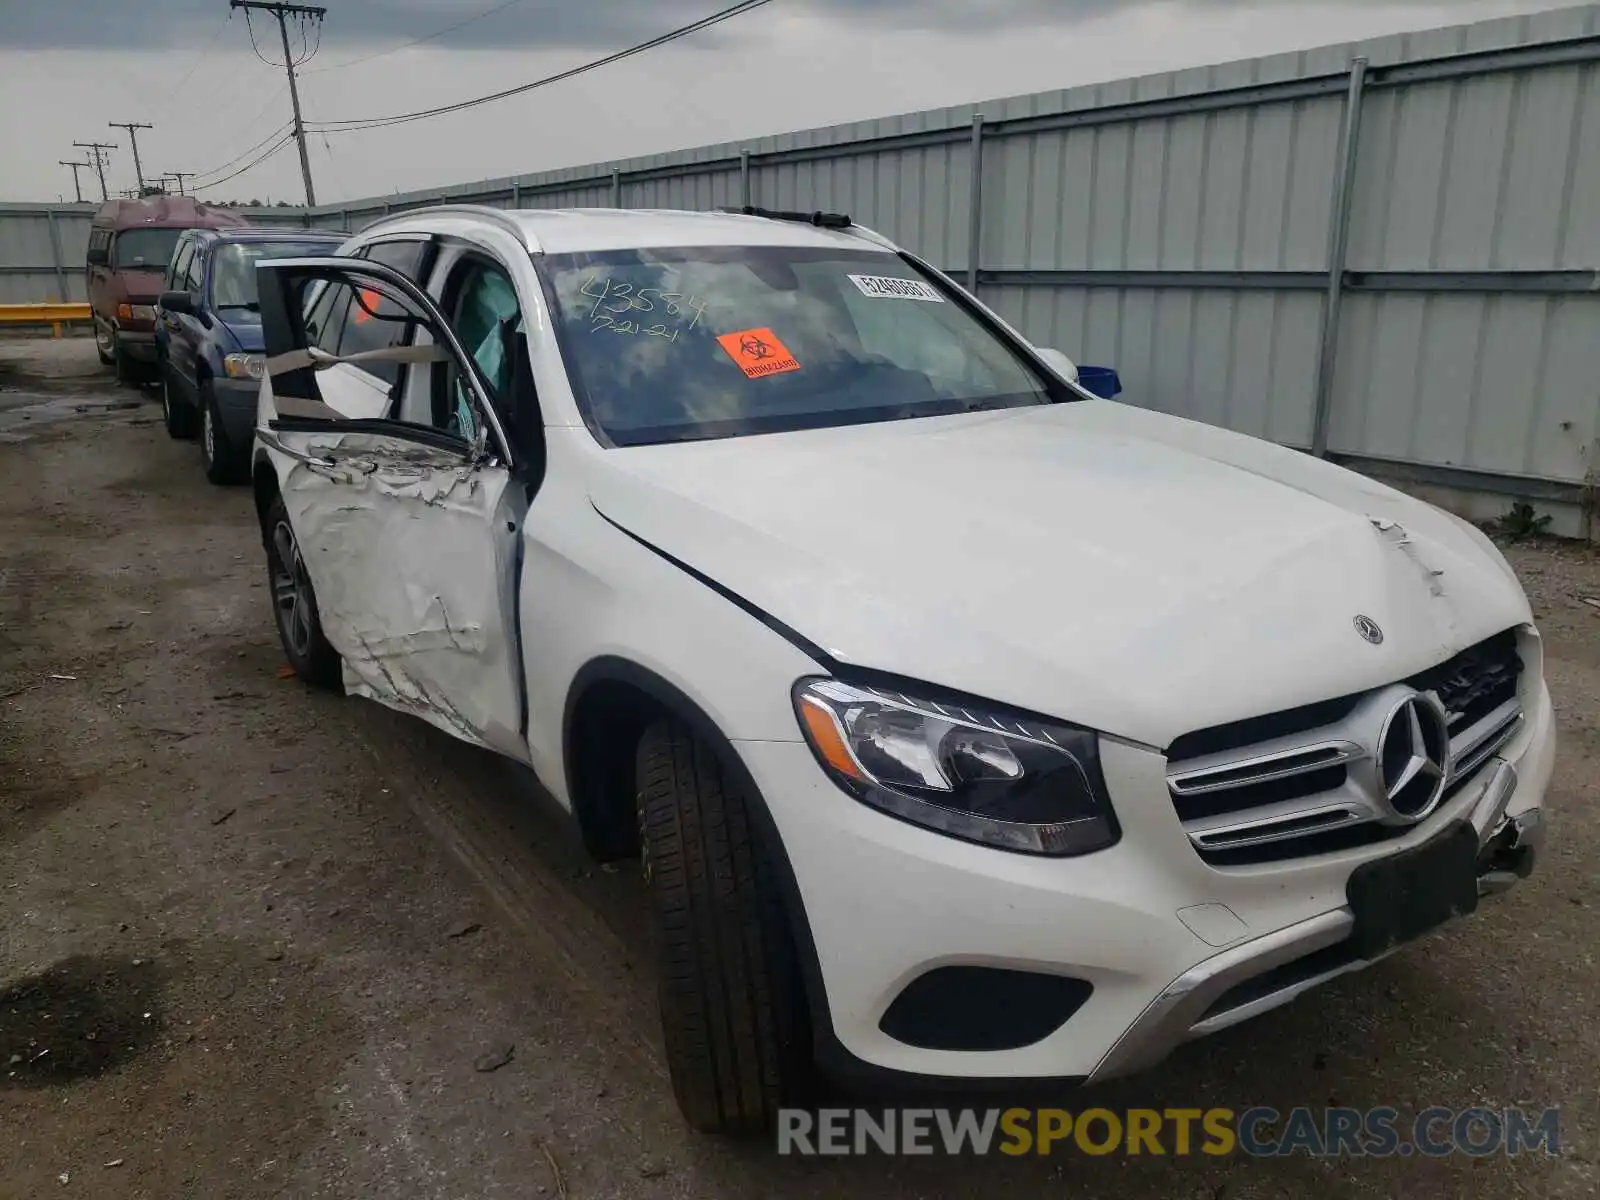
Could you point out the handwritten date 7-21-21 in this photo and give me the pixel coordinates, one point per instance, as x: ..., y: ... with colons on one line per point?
x: 620, y: 307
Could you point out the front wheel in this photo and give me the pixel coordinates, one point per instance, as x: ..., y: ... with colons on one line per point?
x: 294, y: 604
x: 103, y: 345
x: 220, y: 455
x: 732, y: 1008
x: 178, y: 418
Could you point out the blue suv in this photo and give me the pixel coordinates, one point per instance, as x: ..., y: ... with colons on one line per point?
x: 208, y: 336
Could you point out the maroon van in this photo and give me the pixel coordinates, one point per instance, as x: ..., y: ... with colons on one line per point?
x: 130, y: 244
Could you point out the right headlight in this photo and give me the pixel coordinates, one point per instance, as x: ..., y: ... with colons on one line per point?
x: 1014, y: 783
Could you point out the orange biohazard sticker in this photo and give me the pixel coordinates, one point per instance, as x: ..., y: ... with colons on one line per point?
x: 758, y: 352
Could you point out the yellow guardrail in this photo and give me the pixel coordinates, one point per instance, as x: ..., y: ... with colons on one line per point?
x: 53, y: 315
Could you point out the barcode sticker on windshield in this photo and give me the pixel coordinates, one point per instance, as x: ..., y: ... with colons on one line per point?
x: 892, y: 288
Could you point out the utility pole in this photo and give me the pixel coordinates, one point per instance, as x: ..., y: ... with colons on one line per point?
x: 133, y: 137
x: 75, y: 185
x: 97, y: 154
x: 281, y: 11
x: 180, y: 176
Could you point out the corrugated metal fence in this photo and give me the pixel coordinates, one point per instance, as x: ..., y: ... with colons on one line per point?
x: 1385, y: 251
x: 42, y: 248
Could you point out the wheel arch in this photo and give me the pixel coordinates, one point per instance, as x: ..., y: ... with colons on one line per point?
x: 264, y: 486
x: 610, y: 680
x: 609, y: 704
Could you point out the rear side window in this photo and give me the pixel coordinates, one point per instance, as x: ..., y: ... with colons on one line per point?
x: 407, y: 257
x: 367, y: 321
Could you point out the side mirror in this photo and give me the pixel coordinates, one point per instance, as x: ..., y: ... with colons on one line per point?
x: 1060, y: 363
x: 177, y: 302
x: 98, y: 258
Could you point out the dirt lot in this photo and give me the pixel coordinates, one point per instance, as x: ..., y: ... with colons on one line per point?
x: 259, y: 941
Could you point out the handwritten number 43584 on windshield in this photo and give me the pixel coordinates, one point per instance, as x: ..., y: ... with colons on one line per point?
x: 613, y: 298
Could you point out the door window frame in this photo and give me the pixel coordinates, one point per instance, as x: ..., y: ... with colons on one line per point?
x: 285, y: 331
x: 183, y: 254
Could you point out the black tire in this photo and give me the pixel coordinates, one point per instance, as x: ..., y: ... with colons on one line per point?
x: 732, y: 1008
x: 178, y: 417
x: 224, y: 462
x: 306, y: 649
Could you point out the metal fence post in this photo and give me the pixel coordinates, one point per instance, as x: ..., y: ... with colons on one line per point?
x: 744, y: 179
x: 975, y: 216
x: 516, y: 193
x: 1338, y: 248
x: 616, y: 187
x: 55, y: 255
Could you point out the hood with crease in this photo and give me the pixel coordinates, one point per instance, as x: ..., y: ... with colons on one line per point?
x: 1124, y: 570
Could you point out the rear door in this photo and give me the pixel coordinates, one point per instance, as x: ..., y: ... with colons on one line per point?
x: 191, y: 330
x: 169, y: 330
x: 405, y: 519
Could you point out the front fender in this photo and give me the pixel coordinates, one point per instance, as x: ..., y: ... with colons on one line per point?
x: 591, y: 592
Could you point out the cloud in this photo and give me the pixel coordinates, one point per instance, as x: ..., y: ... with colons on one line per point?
x: 543, y: 24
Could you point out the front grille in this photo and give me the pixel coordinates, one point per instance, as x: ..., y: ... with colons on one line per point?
x: 1304, y: 781
x: 1475, y: 682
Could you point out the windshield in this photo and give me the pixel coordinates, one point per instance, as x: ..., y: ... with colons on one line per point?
x: 145, y: 249
x: 707, y: 342
x: 233, y: 268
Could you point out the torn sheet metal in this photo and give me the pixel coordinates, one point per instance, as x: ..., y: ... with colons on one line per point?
x: 412, y: 552
x: 1395, y: 534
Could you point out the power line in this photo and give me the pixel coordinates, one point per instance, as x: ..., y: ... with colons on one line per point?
x: 356, y: 124
x: 305, y: 14
x: 427, y: 37
x: 278, y: 132
x: 205, y: 52
x: 249, y: 166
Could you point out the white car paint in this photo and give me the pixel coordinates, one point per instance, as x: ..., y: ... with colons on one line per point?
x: 1126, y: 571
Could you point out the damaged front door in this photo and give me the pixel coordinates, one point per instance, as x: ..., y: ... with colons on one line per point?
x: 407, y: 522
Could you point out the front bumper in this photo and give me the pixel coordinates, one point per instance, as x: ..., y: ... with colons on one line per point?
x: 236, y: 408
x: 1216, y: 994
x: 139, y: 345
x: 1164, y: 939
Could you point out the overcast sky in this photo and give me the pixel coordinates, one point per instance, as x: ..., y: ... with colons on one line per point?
x: 67, y: 67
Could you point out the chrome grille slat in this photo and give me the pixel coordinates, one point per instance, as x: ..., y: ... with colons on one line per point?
x: 1246, y: 798
x: 1283, y: 764
x: 1263, y: 829
x: 1471, y: 748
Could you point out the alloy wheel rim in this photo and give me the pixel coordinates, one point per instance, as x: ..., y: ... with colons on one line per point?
x: 291, y: 590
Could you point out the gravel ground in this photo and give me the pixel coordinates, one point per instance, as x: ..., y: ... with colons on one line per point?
x: 265, y: 942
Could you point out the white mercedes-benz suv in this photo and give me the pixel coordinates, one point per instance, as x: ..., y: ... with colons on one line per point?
x: 969, y: 727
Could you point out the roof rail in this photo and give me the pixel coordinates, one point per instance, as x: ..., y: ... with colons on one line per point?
x: 820, y: 219
x: 495, y: 216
